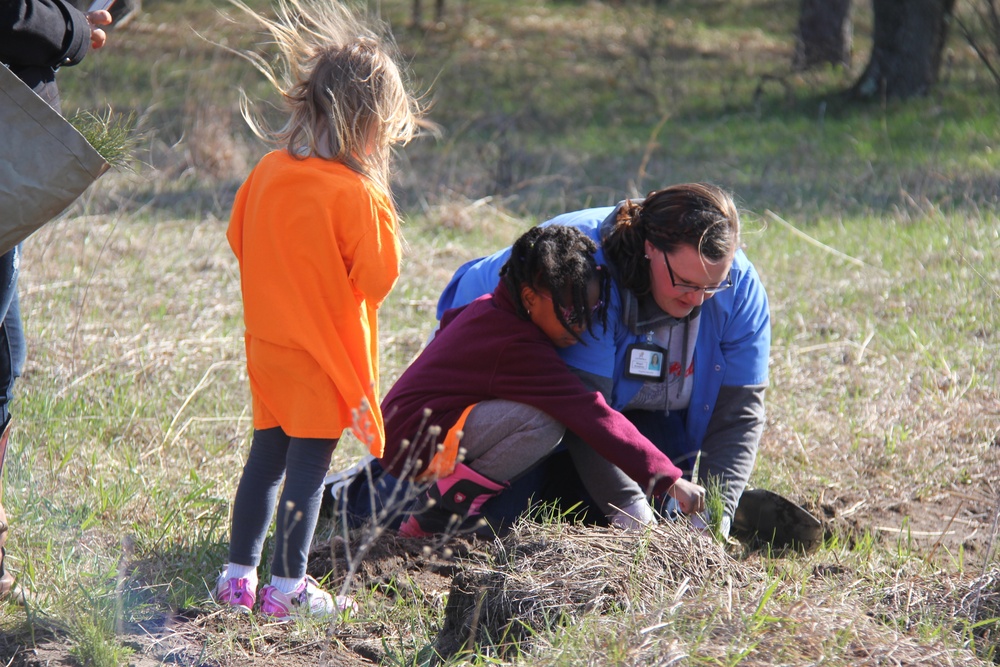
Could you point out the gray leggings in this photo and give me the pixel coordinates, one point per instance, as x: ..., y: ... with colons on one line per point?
x: 303, y: 463
x: 504, y: 439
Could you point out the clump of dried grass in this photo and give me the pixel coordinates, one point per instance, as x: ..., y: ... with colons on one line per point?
x: 542, y: 576
x: 972, y: 604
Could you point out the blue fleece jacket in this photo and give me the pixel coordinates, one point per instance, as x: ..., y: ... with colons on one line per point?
x: 733, y: 343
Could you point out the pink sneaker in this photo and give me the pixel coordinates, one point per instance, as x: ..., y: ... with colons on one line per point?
x: 308, y: 598
x: 237, y: 593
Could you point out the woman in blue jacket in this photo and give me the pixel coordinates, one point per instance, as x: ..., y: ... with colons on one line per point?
x: 685, y: 352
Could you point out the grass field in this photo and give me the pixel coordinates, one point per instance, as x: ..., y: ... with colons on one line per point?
x: 876, y: 230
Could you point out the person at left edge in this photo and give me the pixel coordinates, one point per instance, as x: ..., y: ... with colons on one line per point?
x: 37, y: 37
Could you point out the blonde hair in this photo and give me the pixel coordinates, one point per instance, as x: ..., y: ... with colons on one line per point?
x: 341, y: 85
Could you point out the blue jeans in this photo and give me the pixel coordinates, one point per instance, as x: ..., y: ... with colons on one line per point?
x: 12, y: 344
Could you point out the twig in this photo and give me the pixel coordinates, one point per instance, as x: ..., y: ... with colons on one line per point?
x: 202, y: 383
x: 915, y: 533
x: 851, y: 510
x: 986, y: 561
x: 979, y: 273
x: 86, y: 289
x: 930, y: 556
x: 81, y: 378
x: 651, y: 144
x: 833, y: 251
x: 864, y: 346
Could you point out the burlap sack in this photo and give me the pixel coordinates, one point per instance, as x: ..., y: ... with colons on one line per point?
x: 45, y: 163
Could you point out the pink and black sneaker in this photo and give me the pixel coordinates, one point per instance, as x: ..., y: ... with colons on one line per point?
x: 237, y: 593
x: 307, y: 599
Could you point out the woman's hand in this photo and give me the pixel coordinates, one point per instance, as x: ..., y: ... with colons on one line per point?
x: 690, y: 497
x: 98, y: 18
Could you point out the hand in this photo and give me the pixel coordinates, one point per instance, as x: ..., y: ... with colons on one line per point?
x: 690, y: 497
x: 97, y: 36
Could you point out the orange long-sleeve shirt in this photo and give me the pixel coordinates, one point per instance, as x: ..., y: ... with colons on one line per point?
x: 318, y: 252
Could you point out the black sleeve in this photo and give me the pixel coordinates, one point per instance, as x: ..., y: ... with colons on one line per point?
x: 42, y: 33
x: 595, y: 382
x: 729, y: 450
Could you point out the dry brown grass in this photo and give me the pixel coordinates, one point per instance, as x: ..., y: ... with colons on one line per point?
x: 542, y: 577
x: 135, y: 338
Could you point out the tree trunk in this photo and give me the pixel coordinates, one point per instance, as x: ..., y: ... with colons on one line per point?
x: 824, y: 35
x: 418, y: 12
x: 908, y: 40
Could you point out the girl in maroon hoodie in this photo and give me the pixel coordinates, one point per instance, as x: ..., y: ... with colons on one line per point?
x: 491, y: 380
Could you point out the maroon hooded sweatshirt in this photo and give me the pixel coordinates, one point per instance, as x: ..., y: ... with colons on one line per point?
x: 485, y: 351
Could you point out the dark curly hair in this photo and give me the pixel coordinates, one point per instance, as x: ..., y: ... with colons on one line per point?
x: 561, y: 261
x: 700, y: 215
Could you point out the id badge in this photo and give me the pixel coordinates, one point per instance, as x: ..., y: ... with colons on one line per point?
x: 646, y: 362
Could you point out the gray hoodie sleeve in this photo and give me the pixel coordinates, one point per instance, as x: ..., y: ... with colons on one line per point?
x: 730, y: 447
x: 594, y: 382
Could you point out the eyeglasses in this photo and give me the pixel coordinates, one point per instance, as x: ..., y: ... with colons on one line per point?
x: 571, y: 317
x: 684, y: 288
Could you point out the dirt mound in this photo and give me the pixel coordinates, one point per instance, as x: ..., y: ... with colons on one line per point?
x: 542, y: 576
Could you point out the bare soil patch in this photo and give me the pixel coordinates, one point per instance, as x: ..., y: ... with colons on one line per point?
x: 949, y: 522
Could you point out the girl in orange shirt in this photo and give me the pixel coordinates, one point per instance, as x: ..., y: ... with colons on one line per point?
x: 314, y: 230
